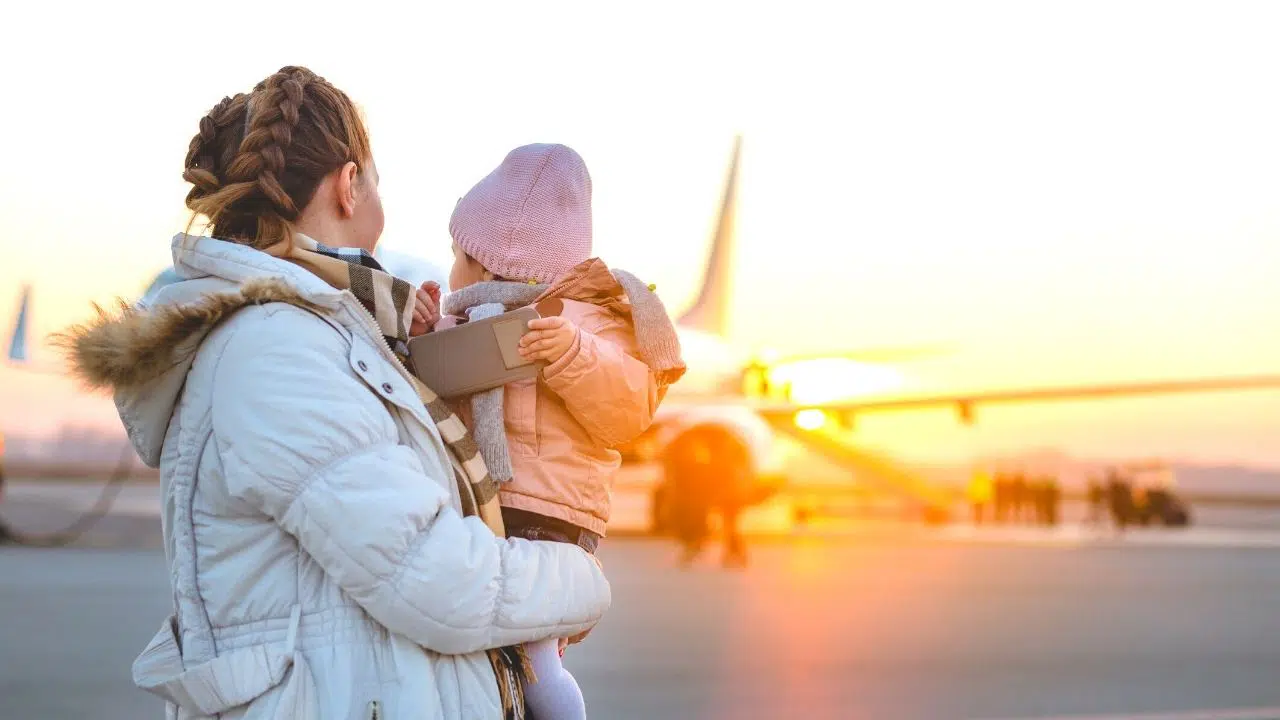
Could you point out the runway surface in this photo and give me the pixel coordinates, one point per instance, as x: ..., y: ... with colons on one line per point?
x: 859, y: 627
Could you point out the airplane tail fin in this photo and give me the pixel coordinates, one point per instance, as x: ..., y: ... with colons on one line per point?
x: 710, y: 310
x: 18, y: 341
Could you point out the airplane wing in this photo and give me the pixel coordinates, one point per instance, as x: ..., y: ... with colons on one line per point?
x: 965, y: 403
x: 889, y: 354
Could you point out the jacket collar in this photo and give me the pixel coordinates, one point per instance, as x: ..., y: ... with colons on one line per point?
x: 142, y: 352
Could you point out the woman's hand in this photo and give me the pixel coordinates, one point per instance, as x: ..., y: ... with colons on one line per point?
x: 579, y: 637
x: 566, y: 642
x: 426, y: 309
x: 550, y: 339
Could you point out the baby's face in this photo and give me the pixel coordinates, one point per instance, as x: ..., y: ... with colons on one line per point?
x: 466, y: 270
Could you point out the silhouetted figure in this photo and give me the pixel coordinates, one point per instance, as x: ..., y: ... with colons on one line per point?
x: 1158, y: 505
x: 755, y: 379
x: 1120, y: 495
x: 1000, y: 498
x: 1052, y: 502
x: 1096, y: 497
x: 1019, y: 498
x: 979, y: 492
x: 1034, y: 508
x: 1008, y: 513
x: 1036, y: 493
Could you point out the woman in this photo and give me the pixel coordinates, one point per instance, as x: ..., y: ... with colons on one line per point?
x: 312, y: 489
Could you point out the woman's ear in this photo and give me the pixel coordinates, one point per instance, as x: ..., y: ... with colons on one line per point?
x: 348, y: 180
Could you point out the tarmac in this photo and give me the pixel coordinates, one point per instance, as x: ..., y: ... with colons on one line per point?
x: 831, y: 622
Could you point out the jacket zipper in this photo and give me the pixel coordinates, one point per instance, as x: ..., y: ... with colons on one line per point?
x: 381, y: 343
x: 374, y: 712
x: 381, y: 346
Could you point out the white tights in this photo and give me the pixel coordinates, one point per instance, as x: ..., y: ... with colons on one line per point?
x: 555, y: 696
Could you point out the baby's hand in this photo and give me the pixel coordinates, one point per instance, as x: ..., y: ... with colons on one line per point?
x: 566, y: 642
x: 426, y: 309
x: 550, y: 340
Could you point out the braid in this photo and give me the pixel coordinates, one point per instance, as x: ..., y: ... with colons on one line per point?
x: 259, y: 157
x: 276, y: 104
x: 200, y: 168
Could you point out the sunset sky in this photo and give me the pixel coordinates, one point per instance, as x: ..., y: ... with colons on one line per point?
x: 1059, y: 192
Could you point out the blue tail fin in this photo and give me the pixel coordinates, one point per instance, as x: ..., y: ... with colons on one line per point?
x: 18, y: 341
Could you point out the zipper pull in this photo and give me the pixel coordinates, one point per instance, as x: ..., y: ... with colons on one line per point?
x: 374, y: 713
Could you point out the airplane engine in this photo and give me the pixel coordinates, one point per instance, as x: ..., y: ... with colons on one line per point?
x: 745, y: 426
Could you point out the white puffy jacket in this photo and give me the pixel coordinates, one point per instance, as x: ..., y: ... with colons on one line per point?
x: 319, y: 564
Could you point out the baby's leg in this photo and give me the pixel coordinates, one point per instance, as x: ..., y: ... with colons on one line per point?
x: 555, y: 696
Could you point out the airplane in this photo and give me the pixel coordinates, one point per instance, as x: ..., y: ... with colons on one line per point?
x: 754, y: 397
x: 717, y: 391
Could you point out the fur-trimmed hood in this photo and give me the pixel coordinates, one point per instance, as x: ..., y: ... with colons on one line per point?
x: 142, y: 352
x: 136, y: 345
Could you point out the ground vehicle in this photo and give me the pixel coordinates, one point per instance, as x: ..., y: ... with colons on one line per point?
x: 1155, y: 498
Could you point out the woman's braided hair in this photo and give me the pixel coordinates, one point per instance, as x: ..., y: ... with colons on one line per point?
x: 258, y: 158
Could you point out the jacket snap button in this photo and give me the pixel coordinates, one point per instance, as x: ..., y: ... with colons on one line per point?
x: 386, y: 388
x: 364, y: 366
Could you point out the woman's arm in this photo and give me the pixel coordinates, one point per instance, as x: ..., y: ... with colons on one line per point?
x: 303, y: 439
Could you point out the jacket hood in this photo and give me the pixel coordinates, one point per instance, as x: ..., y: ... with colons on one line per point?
x: 142, y: 351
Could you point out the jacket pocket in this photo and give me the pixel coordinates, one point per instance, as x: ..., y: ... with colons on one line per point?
x: 229, y: 680
x: 521, y: 421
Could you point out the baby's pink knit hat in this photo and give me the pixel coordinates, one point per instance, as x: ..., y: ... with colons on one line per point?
x: 530, y: 219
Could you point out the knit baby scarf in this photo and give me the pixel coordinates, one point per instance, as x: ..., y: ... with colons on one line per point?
x: 389, y: 301
x: 618, y: 291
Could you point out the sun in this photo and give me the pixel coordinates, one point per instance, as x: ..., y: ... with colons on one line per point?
x: 825, y: 380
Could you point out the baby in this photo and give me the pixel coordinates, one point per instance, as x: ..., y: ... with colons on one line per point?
x: 522, y: 236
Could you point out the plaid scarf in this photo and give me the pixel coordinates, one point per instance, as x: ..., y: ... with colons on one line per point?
x: 389, y: 301
x: 369, y: 281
